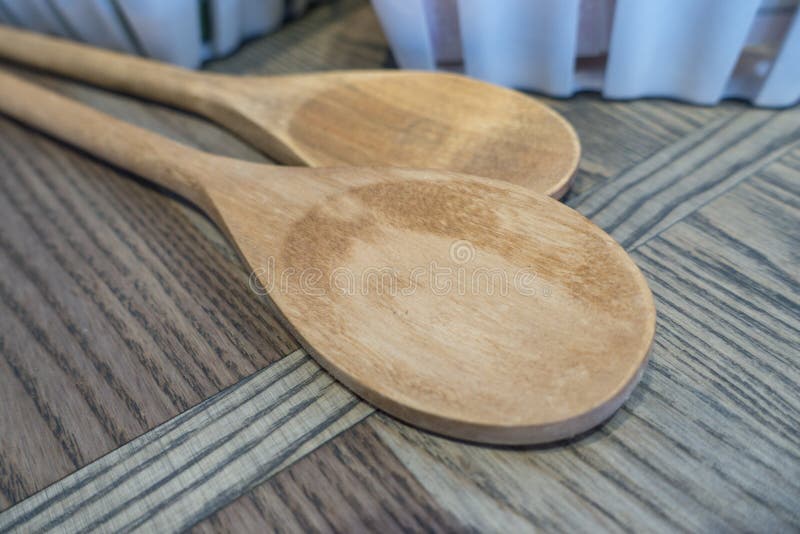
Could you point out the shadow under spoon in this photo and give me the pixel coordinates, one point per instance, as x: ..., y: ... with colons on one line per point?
x: 470, y: 307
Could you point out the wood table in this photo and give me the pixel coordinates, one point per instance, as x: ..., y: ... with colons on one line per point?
x: 143, y: 384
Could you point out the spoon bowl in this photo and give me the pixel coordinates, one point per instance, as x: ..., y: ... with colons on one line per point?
x: 461, y: 305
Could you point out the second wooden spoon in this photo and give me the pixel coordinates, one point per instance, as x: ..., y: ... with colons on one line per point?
x: 384, y: 118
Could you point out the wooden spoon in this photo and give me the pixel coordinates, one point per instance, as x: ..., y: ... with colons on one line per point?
x: 467, y: 306
x: 386, y: 118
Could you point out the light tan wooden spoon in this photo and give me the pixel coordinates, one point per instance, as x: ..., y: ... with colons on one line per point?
x: 467, y: 306
x: 384, y: 118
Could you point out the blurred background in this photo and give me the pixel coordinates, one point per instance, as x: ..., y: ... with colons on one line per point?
x: 700, y: 51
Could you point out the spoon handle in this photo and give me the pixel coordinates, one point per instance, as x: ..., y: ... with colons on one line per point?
x: 149, y: 155
x: 125, y: 73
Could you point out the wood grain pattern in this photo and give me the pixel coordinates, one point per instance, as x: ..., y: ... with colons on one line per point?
x: 675, y: 182
x: 181, y: 471
x: 347, y: 118
x: 354, y: 483
x: 514, y: 363
x: 617, y: 136
x: 81, y: 260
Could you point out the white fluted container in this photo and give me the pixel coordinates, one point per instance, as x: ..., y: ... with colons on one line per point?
x: 696, y: 50
x: 185, y: 32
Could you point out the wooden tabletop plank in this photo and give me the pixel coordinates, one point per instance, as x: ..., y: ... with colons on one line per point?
x: 662, y: 190
x: 616, y: 136
x: 181, y: 471
x: 339, y: 489
x: 119, y: 313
